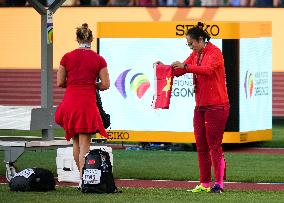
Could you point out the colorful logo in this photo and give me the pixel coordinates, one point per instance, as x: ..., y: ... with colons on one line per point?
x: 49, y: 33
x: 49, y: 27
x: 249, y: 84
x: 139, y: 84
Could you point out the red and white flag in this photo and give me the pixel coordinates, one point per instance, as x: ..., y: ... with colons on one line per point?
x: 163, y: 86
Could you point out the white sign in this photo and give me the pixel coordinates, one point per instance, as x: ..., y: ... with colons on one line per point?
x: 255, y: 84
x: 25, y: 173
x: 92, y: 176
x: 128, y: 101
x: 49, y: 15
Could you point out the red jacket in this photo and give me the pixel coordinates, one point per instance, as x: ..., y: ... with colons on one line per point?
x: 209, y: 76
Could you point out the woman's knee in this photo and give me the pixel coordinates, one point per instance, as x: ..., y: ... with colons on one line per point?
x: 216, y: 149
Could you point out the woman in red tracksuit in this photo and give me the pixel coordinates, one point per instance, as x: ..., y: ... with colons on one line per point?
x: 212, y: 105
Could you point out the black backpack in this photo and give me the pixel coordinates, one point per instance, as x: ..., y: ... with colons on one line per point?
x: 97, y: 173
x: 33, y: 179
x: 105, y: 116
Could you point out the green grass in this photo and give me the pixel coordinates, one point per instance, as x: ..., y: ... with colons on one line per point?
x: 277, y: 138
x: 37, y: 133
x: 183, y: 166
x: 170, y: 165
x: 69, y: 195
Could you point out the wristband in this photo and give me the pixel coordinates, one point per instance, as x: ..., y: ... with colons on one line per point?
x: 185, y: 66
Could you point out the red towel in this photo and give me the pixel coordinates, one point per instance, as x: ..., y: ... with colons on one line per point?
x: 163, y: 86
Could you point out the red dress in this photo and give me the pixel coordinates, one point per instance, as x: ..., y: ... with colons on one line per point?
x: 78, y: 111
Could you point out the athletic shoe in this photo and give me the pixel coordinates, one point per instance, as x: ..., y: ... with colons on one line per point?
x: 217, y: 189
x: 200, y: 188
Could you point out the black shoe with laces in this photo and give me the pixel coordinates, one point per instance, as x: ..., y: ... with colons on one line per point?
x: 217, y: 189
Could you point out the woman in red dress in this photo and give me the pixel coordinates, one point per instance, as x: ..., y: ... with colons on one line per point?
x: 78, y: 113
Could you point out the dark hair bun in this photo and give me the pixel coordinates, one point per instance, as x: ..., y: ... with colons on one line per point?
x: 200, y: 25
x: 84, y: 34
x: 85, y: 25
x: 198, y: 31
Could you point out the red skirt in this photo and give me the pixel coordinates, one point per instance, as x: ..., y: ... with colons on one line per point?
x: 78, y: 112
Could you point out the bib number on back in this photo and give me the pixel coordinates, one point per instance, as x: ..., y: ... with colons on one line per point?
x: 92, y: 176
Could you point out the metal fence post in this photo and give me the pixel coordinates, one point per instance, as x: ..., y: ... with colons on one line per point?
x: 47, y: 62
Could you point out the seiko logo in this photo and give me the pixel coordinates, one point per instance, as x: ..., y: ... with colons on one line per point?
x: 213, y: 30
x: 118, y: 135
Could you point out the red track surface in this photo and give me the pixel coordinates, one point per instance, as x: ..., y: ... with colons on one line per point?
x: 181, y: 184
x: 189, y: 185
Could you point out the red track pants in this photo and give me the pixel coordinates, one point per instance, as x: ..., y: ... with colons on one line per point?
x: 209, y: 124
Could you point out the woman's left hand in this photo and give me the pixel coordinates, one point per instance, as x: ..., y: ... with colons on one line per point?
x: 177, y: 64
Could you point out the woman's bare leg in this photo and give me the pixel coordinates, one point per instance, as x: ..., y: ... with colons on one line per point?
x: 84, y: 145
x: 76, y: 150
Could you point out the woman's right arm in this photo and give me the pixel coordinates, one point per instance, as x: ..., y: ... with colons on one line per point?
x: 104, y: 83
